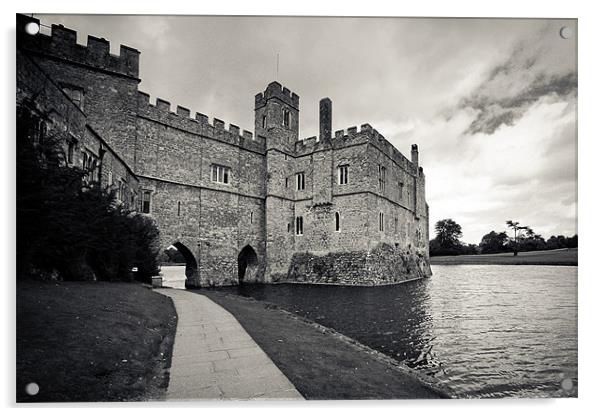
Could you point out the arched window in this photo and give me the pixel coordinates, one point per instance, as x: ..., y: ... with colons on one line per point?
x: 299, y: 226
x: 337, y: 222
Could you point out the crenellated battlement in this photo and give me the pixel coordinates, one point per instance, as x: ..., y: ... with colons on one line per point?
x: 199, y: 124
x: 352, y: 136
x: 276, y: 90
x: 62, y: 44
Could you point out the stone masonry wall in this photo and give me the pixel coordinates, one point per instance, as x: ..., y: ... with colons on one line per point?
x: 170, y: 153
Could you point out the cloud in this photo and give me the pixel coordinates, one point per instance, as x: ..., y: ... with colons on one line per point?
x: 517, y: 83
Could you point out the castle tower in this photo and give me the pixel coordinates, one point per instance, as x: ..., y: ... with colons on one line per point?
x: 277, y: 119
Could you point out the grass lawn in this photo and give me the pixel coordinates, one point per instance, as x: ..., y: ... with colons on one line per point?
x: 562, y: 257
x: 321, y: 363
x: 83, y: 341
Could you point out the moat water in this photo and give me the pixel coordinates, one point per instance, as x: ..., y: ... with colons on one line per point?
x: 485, y: 331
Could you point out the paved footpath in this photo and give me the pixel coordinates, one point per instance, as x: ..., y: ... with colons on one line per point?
x: 215, y: 358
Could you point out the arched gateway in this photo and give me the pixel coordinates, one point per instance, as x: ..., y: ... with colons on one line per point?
x: 247, y: 265
x: 192, y: 269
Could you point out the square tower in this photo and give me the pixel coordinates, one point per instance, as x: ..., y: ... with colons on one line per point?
x: 277, y: 117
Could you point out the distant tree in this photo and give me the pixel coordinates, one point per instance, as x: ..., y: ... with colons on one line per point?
x: 519, y: 233
x: 532, y: 241
x: 447, y: 240
x: 494, y: 242
x: 471, y: 249
x: 572, y: 242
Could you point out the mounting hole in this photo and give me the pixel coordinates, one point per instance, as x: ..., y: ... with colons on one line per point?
x: 567, y: 384
x: 32, y: 28
x: 566, y: 32
x: 32, y: 389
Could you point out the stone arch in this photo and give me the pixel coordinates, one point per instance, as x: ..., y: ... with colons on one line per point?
x: 248, y: 265
x: 192, y: 269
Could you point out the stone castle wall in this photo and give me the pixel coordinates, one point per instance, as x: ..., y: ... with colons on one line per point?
x: 170, y: 153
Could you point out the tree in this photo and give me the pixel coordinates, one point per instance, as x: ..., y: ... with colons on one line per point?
x: 494, y: 242
x: 68, y: 225
x: 519, y: 233
x: 448, y: 236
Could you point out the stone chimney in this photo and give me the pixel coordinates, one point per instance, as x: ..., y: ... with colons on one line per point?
x: 325, y: 119
x: 415, y: 154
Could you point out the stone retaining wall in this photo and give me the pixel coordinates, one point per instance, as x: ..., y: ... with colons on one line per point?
x: 381, y: 265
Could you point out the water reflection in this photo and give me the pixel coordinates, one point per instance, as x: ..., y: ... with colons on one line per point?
x: 487, y: 331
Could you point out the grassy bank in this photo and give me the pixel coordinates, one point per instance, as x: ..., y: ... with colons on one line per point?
x: 562, y: 257
x: 319, y: 362
x: 93, y: 341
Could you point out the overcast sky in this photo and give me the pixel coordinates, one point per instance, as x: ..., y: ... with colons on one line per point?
x: 491, y: 103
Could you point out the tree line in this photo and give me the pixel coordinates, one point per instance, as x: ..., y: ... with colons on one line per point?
x: 518, y: 238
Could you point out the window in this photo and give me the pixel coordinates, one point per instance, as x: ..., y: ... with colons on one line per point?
x: 381, y: 222
x: 299, y: 225
x: 382, y: 177
x: 343, y: 174
x: 70, y: 151
x: 251, y: 218
x: 146, y: 202
x: 76, y: 95
x: 300, y: 181
x: 286, y: 118
x: 400, y: 191
x: 179, y: 208
x: 43, y: 131
x: 264, y: 122
x: 110, y: 177
x: 288, y: 227
x: 337, y: 222
x: 90, y: 165
x: 120, y: 190
x: 220, y: 174
x: 286, y: 182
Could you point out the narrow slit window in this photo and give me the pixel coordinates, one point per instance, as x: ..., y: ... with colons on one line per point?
x: 382, y: 178
x: 337, y: 222
x: 286, y: 118
x: 179, y: 208
x: 343, y: 174
x: 70, y: 151
x: 381, y: 222
x: 300, y: 181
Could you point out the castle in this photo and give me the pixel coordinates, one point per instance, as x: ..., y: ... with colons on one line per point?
x: 344, y: 208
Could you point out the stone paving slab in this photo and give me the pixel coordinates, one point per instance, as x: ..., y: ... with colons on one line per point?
x: 215, y: 358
